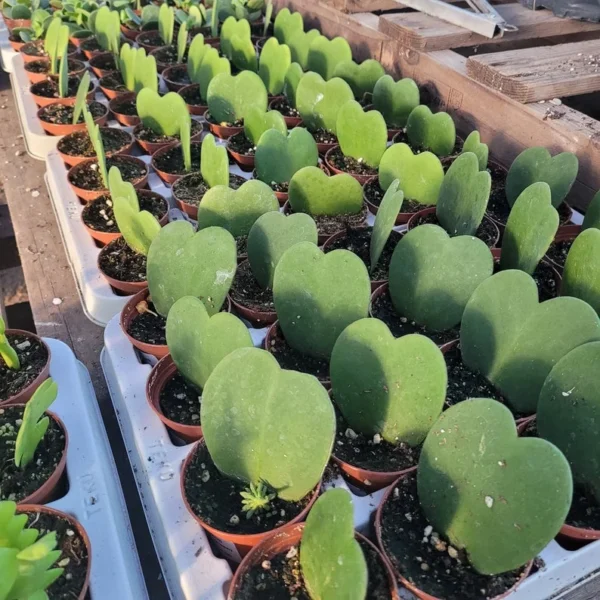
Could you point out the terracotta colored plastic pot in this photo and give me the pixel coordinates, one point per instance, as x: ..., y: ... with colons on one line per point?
x: 561, y: 237
x: 258, y: 318
x: 412, y: 588
x: 149, y: 47
x: 16, y: 45
x: 291, y: 122
x: 126, y: 120
x: 25, y: 394
x: 78, y: 70
x: 324, y: 148
x: 571, y: 228
x: 245, y: 161
x: 14, y: 23
x: 47, y: 491
x: 130, y: 34
x: 195, y: 109
x: 71, y: 160
x: 362, y: 179
x: 169, y: 178
x: 172, y: 84
x: 36, y: 508
x: 128, y: 313
x: 401, y: 219
x: 89, y: 54
x: 64, y: 129
x: 223, y: 132
x: 280, y: 542
x: 128, y: 287
x: 243, y: 542
x: 94, y: 64
x: 152, y: 147
x: 42, y: 101
x: 111, y: 94
x: 89, y: 195
x: 161, y: 373
x: 77, y: 41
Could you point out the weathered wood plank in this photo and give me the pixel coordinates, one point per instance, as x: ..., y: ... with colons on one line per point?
x: 540, y: 73
x: 423, y: 32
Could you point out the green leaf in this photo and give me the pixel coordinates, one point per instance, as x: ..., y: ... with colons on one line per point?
x: 292, y: 78
x: 275, y: 60
x: 7, y: 352
x: 212, y: 65
x: 268, y: 17
x: 428, y: 131
x: 395, y: 100
x: 230, y: 96
x: 256, y: 122
x: 287, y: 24
x: 324, y: 54
x: 63, y: 78
x: 214, y: 163
x: 581, y: 276
x: 166, y: 23
x: 299, y: 43
x: 473, y: 144
x: 232, y: 27
x: 243, y: 53
x: 161, y: 114
x: 196, y: 54
x: 185, y: 133
x: 98, y: 145
x: 265, y: 424
x: 385, y: 220
x: 81, y: 98
x: 592, y: 214
x: 108, y: 29
x: 360, y: 77
x: 182, y: 38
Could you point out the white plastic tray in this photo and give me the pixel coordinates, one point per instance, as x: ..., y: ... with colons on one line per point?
x: 6, y: 51
x: 94, y: 498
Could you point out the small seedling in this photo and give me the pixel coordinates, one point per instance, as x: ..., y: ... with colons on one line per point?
x: 214, y: 164
x: 137, y: 69
x: 256, y: 497
x: 97, y: 143
x: 385, y: 220
x: 395, y: 100
x: 166, y: 23
x: 107, y: 27
x: 182, y: 39
x: 275, y: 60
x: 56, y: 43
x: 7, y: 352
x: 161, y: 114
x: 428, y: 131
x: 474, y: 144
x: 360, y: 77
x: 81, y: 97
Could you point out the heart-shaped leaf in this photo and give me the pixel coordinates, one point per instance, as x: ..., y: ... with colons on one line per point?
x: 514, y: 341
x: 473, y: 144
x: 500, y: 497
x: 428, y: 131
x: 311, y: 191
x: 299, y: 43
x: 257, y: 121
x: 318, y: 295
x: 243, y: 53
x: 592, y: 214
x: 395, y: 100
x: 212, y: 65
x: 394, y: 387
x: 360, y: 77
x: 569, y: 410
x: 236, y: 210
x: 537, y: 164
x: 530, y: 229
x: 292, y: 78
x: 362, y: 135
x: 162, y: 115
x: 332, y: 561
x: 463, y: 196
x: 264, y: 424
x: 107, y: 29
x: 319, y: 101
x: 420, y: 175
x: 214, y: 163
x: 182, y: 262
x: 286, y: 24
x: 271, y: 235
x: 232, y: 27
x: 324, y: 54
x: 230, y: 96
x: 280, y: 156
x: 275, y: 60
x: 385, y: 220
x: 198, y: 342
x: 196, y: 54
x: 581, y: 276
x: 432, y: 276
x: 166, y: 23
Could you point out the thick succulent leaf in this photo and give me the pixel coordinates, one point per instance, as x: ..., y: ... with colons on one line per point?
x: 196, y: 54
x: 395, y: 100
x: 275, y: 60
x: 287, y: 24
x: 214, y: 162
x: 230, y: 96
x: 360, y: 77
x: 231, y: 28
x: 324, y: 54
x: 592, y: 214
x: 212, y: 65
x: 299, y: 43
x: 291, y: 80
x: 243, y: 53
x: 161, y: 114
x: 473, y: 144
x: 256, y: 122
x: 385, y: 220
x: 428, y: 131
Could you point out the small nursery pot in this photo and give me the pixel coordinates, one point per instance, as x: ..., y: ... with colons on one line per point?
x: 362, y: 179
x: 562, y: 237
x: 291, y: 122
x: 128, y: 314
x: 42, y: 101
x: 128, y: 287
x: 77, y: 70
x: 325, y: 147
x: 244, y: 160
x: 168, y: 75
x: 37, y: 508
x: 195, y: 109
x: 169, y: 178
x: 243, y: 542
x: 71, y: 160
x: 280, y: 543
x: 146, y: 45
x: 161, y: 373
x: 77, y: 41
x: 256, y: 317
x: 113, y: 105
x: 401, y: 219
x: 412, y: 588
x: 14, y: 23
x: 66, y: 128
x: 25, y: 394
x: 97, y: 64
x: 16, y: 45
x: 223, y: 132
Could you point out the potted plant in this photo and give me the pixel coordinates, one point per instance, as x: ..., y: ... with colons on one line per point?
x: 89, y: 178
x: 274, y: 62
x: 388, y: 393
x: 189, y: 190
x: 335, y: 203
x: 395, y: 100
x: 251, y: 292
x: 248, y: 487
x: 286, y: 24
x: 360, y: 77
x: 181, y: 262
x: 176, y: 75
x: 171, y: 53
x: 132, y: 23
x: 286, y: 102
x: 29, y: 432
x: 327, y: 557
x: 316, y: 297
x: 24, y: 364
x: 374, y: 246
x: 34, y: 34
x: 318, y: 103
x: 476, y: 482
x: 241, y: 31
x: 16, y: 14
x: 38, y: 554
x: 108, y: 35
x: 197, y: 343
x: 324, y: 55
x: 299, y: 43
x: 229, y: 97
x: 163, y: 36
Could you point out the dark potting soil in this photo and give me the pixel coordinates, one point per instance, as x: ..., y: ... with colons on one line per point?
x: 73, y: 554
x: 119, y: 261
x: 383, y: 309
x: 426, y: 560
x: 499, y: 209
x: 216, y: 499
x: 151, y: 38
x: 558, y: 252
x: 106, y: 62
x: 171, y: 161
x: 60, y: 114
x: 191, y: 188
x: 43, y: 66
x: 99, y: 215
x: 192, y: 96
x: 358, y: 241
x: 148, y: 326
x: 324, y: 137
x: 89, y: 178
x: 246, y: 291
x: 241, y: 242
x: 487, y: 231
x: 281, y: 578
x: 146, y: 134
x: 283, y: 106
x: 374, y: 194
x: 79, y: 143
x: 17, y: 483
x: 32, y: 358
x: 545, y: 278
x: 179, y: 75
x: 328, y: 225
x: 167, y: 55
x: 291, y: 359
x: 349, y: 164
x: 49, y: 88
x: 113, y: 81
x: 240, y: 144
x: 91, y: 45
x: 372, y: 453
x: 127, y: 107
x: 210, y: 119
x: 180, y: 401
